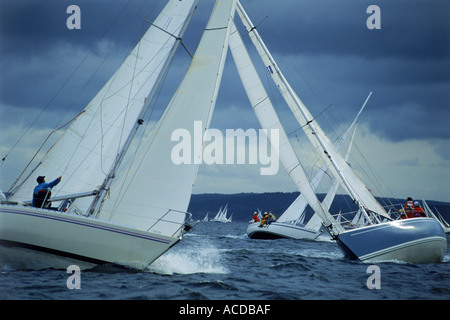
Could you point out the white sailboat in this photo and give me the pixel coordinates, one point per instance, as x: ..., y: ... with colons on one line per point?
x: 221, y: 215
x: 417, y: 240
x: 121, y: 208
x: 291, y: 223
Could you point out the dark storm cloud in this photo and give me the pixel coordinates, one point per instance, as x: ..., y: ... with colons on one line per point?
x: 406, y: 63
x: 39, y: 52
x: 416, y: 29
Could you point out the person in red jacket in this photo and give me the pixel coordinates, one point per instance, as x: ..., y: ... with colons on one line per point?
x: 408, y: 209
x: 418, y: 211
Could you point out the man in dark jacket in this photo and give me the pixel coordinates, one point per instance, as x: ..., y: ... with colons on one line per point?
x: 42, y: 192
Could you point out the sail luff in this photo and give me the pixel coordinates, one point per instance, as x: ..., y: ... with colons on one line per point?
x: 354, y: 186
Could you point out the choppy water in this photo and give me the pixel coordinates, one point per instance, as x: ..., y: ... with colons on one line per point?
x: 217, y: 261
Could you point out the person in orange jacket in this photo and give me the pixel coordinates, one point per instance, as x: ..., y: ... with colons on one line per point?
x: 408, y: 209
x: 418, y: 211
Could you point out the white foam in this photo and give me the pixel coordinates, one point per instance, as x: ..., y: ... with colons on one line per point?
x: 204, y: 258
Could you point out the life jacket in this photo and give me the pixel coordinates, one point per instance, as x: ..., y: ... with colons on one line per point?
x: 264, y: 219
x: 419, y: 212
x: 409, y: 206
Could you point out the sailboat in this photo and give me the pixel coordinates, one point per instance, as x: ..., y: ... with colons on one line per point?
x: 221, y: 215
x: 291, y: 223
x: 417, y: 240
x: 119, y: 203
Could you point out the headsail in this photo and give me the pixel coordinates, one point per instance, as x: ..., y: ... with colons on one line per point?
x: 153, y: 187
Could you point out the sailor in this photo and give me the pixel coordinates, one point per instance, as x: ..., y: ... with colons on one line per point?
x: 408, y: 208
x: 418, y: 211
x: 255, y: 217
x: 264, y: 219
x: 271, y: 218
x: 42, y: 193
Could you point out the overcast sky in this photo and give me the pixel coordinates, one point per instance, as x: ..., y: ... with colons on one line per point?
x: 324, y: 46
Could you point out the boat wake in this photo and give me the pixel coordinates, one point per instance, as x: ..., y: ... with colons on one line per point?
x: 204, y: 258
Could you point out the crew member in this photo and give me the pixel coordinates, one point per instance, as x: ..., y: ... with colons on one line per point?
x: 418, y: 211
x: 42, y: 193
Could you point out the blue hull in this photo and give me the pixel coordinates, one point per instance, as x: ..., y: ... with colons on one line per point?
x: 417, y: 240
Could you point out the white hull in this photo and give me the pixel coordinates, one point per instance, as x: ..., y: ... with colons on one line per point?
x: 277, y: 230
x: 32, y: 238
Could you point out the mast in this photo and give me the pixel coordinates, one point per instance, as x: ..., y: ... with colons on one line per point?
x: 342, y: 171
x: 104, y: 188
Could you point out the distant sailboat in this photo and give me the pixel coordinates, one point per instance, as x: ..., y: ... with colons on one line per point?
x: 136, y: 211
x: 417, y: 240
x: 221, y: 215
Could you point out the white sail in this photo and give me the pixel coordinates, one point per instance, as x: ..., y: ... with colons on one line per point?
x: 268, y: 119
x: 221, y: 215
x: 153, y: 187
x: 342, y: 171
x: 83, y: 156
x: 315, y: 221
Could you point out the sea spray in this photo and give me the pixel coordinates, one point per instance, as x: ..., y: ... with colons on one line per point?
x: 197, y: 258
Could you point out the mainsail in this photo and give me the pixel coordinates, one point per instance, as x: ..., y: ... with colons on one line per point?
x: 88, y: 149
x: 153, y: 182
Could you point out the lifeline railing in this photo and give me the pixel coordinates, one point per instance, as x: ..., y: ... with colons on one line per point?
x: 182, y: 225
